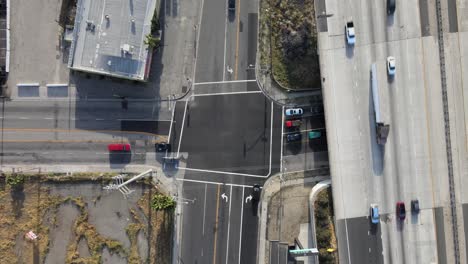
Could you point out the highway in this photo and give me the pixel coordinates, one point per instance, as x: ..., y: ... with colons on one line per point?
x: 409, y: 166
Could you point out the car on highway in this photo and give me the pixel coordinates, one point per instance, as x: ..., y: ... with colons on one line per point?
x: 294, y: 112
x: 391, y: 4
x: 415, y: 206
x: 374, y: 214
x: 119, y: 147
x: 231, y: 5
x: 293, y: 123
x: 401, y: 210
x: 293, y: 137
x: 391, y: 66
x: 350, y: 33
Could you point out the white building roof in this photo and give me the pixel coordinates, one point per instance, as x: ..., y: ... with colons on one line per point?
x: 109, y: 36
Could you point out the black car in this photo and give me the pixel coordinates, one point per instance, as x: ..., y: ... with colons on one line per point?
x: 256, y: 192
x: 293, y: 137
x: 415, y: 206
x: 231, y: 5
x: 391, y: 4
x: 162, y: 147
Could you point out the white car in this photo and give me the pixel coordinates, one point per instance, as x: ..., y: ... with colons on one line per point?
x: 294, y: 111
x: 350, y: 34
x: 391, y: 66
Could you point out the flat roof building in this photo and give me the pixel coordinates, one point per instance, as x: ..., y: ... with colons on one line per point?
x: 109, y: 38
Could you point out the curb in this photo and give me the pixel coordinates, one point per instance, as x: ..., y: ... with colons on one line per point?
x: 266, y: 194
x: 312, y: 197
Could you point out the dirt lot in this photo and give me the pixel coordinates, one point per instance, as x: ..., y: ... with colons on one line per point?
x: 79, y: 222
x: 285, y: 218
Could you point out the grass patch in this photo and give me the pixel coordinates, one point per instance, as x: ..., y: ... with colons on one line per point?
x: 288, y: 40
x: 325, y: 231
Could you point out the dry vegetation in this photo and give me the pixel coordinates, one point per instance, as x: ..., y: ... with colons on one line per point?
x: 325, y: 230
x: 288, y: 33
x: 30, y: 206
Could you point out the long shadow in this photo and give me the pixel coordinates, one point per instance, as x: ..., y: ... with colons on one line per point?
x: 105, y: 103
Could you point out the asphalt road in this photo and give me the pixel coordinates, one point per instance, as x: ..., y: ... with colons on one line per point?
x: 410, y: 164
x: 229, y: 135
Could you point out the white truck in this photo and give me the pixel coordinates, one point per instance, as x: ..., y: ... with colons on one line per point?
x: 381, y: 128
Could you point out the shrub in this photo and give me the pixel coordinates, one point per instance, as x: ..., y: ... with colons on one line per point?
x: 15, y: 180
x: 152, y: 41
x: 162, y: 202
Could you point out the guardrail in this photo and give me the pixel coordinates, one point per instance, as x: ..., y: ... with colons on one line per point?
x: 448, y: 143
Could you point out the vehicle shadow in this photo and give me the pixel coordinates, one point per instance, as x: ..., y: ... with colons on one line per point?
x: 119, y: 160
x: 376, y: 149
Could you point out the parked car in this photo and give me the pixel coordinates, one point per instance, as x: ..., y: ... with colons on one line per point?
x: 401, y: 210
x: 350, y: 34
x: 317, y: 109
x: 391, y: 4
x: 391, y: 66
x: 294, y: 112
x: 162, y: 147
x: 293, y: 137
x: 117, y: 147
x: 415, y: 206
x: 314, y: 134
x: 374, y: 214
x: 293, y: 123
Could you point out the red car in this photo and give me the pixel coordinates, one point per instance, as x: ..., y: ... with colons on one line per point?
x: 400, y: 210
x: 119, y: 147
x: 293, y: 123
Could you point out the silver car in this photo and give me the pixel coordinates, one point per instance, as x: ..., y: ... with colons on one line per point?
x: 294, y: 111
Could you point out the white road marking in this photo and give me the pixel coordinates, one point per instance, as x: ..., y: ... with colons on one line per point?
x: 222, y: 82
x: 23, y: 118
x: 271, y: 137
x: 225, y: 38
x: 216, y: 183
x: 170, y: 127
x: 100, y: 119
x: 240, y: 229
x: 182, y: 129
x: 225, y: 172
x: 48, y: 118
x: 204, y: 210
x: 304, y: 131
x: 230, y: 93
x: 229, y: 225
x: 282, y: 138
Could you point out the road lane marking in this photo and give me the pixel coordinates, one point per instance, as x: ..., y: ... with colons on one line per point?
x: 182, y: 129
x: 223, y: 82
x: 229, y: 224
x: 216, y: 183
x: 204, y: 210
x: 79, y: 131
x: 304, y: 131
x: 271, y: 137
x: 229, y: 93
x: 170, y: 127
x: 240, y: 232
x: 237, y: 39
x: 282, y: 139
x: 225, y: 38
x: 225, y: 172
x: 216, y: 226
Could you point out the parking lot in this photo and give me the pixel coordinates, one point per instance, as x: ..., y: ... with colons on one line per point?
x: 304, y: 139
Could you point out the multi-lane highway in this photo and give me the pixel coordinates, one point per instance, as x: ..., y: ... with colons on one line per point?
x: 412, y: 164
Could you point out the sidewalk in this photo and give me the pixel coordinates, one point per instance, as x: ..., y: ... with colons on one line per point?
x: 271, y: 187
